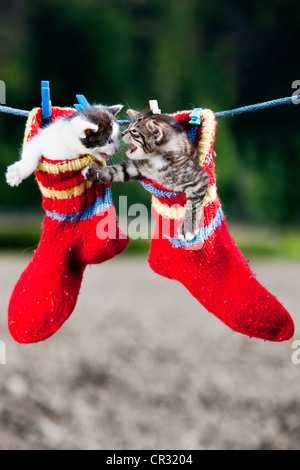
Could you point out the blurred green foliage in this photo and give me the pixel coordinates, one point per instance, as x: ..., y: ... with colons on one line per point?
x: 208, y: 53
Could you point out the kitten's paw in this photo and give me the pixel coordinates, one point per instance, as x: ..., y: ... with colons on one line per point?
x: 84, y: 172
x: 90, y: 172
x: 14, y: 175
x: 186, y: 235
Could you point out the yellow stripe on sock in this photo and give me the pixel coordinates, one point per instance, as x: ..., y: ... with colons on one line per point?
x: 167, y: 211
x: 67, y: 165
x: 207, y: 135
x: 31, y: 115
x: 65, y: 194
x: 178, y: 212
x: 211, y: 195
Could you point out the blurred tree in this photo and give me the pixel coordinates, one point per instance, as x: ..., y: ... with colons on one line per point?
x: 196, y: 53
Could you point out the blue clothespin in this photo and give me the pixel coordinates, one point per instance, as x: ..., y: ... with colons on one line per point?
x: 195, y: 116
x: 83, y: 103
x: 46, y: 103
x: 196, y: 122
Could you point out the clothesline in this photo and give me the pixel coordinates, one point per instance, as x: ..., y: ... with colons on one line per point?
x: 231, y: 112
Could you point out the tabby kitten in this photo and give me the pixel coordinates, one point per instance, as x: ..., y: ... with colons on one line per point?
x: 161, y: 151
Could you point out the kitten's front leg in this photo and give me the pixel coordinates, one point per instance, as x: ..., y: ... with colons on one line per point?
x: 191, y: 221
x: 14, y: 174
x: 96, y: 173
x: 194, y: 207
x: 125, y: 171
x: 20, y: 170
x: 192, y: 218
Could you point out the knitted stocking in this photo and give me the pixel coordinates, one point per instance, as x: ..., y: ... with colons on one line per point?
x: 47, y: 291
x: 211, y: 266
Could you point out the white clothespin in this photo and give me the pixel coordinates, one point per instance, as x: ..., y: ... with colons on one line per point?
x: 154, y: 106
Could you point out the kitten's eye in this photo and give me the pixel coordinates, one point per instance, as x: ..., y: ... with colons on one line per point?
x: 134, y: 132
x: 110, y: 141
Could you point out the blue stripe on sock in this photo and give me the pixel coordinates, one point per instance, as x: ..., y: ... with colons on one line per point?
x: 203, y: 234
x: 100, y: 205
x: 157, y: 192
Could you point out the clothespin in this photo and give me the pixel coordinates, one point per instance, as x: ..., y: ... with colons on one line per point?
x: 154, y: 106
x: 195, y: 120
x: 83, y: 103
x: 46, y: 103
x: 195, y: 116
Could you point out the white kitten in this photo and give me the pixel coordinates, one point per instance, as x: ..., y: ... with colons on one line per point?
x: 94, y: 131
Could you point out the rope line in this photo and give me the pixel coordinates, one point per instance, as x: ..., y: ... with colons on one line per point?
x: 255, y: 107
x: 231, y: 112
x: 17, y: 112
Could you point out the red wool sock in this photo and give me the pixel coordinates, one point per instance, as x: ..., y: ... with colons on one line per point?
x: 47, y: 291
x: 211, y: 266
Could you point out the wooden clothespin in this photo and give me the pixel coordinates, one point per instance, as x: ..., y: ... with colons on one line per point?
x: 154, y: 106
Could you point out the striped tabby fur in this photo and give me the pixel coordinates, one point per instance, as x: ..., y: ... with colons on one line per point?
x: 161, y: 151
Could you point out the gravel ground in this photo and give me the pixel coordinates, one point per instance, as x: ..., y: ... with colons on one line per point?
x: 141, y: 365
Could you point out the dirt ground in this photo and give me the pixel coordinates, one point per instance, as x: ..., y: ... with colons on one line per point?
x: 141, y: 365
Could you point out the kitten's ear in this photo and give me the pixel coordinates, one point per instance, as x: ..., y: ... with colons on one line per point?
x: 132, y: 114
x: 83, y: 128
x: 157, y: 130
x: 88, y: 130
x: 115, y: 109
